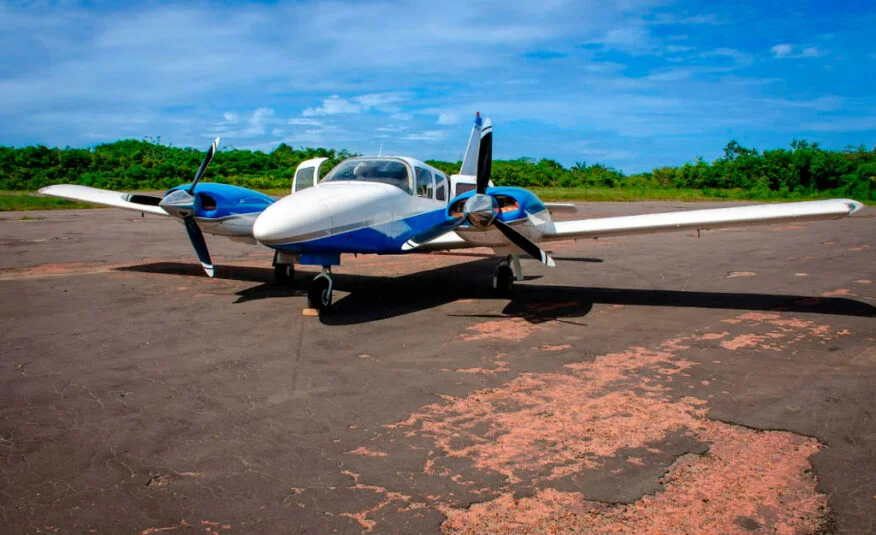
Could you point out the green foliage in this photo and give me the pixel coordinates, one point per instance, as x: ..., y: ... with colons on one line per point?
x: 148, y: 165
x: 803, y: 171
x: 16, y: 200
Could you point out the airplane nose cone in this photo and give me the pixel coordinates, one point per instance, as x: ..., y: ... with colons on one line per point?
x: 293, y: 219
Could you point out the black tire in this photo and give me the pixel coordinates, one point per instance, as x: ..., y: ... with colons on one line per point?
x: 503, y: 280
x: 318, y: 295
x: 284, y: 274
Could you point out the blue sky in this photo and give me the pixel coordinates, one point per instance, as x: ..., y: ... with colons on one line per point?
x: 634, y: 84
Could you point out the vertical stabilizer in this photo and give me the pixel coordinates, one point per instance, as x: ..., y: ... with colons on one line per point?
x: 470, y: 160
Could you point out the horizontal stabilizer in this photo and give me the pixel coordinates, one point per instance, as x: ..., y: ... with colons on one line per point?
x: 760, y: 214
x: 115, y: 199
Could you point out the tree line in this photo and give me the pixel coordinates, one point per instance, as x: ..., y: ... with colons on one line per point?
x: 803, y: 170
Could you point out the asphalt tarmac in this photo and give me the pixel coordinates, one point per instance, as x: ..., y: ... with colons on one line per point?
x: 663, y: 383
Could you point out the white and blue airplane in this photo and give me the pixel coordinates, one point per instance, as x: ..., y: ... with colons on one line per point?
x: 400, y: 205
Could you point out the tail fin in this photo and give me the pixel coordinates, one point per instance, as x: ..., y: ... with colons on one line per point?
x: 470, y: 160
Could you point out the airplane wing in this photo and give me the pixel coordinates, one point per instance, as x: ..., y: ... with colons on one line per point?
x: 713, y: 218
x: 115, y: 199
x: 445, y: 242
x: 561, y: 207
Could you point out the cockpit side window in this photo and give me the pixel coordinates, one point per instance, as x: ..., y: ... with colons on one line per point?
x: 440, y: 187
x: 424, y: 182
x: 387, y: 171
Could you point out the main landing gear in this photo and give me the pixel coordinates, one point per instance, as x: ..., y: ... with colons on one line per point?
x: 319, y: 294
x: 506, y: 273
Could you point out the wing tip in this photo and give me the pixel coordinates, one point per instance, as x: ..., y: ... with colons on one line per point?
x: 47, y: 190
x: 854, y: 206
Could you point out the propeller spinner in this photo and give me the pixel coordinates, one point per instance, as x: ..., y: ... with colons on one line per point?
x: 181, y: 203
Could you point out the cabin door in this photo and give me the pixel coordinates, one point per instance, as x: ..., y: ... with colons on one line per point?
x: 307, y: 174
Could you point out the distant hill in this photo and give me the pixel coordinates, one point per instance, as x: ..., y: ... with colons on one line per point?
x: 803, y: 170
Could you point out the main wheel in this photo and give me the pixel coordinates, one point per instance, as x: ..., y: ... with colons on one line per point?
x: 320, y: 294
x: 284, y: 273
x: 503, y: 280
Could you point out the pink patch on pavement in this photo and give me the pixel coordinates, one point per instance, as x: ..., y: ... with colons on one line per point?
x: 841, y: 292
x: 761, y: 477
x: 512, y: 329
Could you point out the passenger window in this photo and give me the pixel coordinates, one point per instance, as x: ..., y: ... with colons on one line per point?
x: 424, y: 183
x: 304, y: 179
x: 440, y: 187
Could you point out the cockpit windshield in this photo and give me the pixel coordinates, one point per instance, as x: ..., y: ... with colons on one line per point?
x: 386, y: 170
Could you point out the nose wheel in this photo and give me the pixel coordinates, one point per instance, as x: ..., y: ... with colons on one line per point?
x: 319, y: 295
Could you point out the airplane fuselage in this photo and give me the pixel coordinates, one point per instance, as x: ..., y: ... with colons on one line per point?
x: 363, y: 216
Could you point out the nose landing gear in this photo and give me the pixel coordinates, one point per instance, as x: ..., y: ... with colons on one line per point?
x: 319, y: 294
x: 506, y: 273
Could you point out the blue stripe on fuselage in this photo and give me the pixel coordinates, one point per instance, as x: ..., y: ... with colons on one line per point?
x: 382, y: 239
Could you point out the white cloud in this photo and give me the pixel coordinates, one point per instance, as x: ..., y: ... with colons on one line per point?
x: 257, y: 121
x: 448, y: 119
x: 823, y: 104
x: 230, y: 117
x: 782, y: 50
x: 391, y: 128
x: 305, y: 122
x: 786, y: 50
x: 426, y: 135
x: 382, y: 101
x: 704, y: 19
x: 333, y: 105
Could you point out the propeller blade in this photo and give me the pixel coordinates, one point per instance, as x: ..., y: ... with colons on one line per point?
x: 485, y: 156
x: 207, y: 159
x: 429, y: 235
x: 197, y: 238
x: 524, y: 243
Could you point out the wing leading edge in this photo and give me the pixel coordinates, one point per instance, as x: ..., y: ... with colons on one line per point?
x: 712, y: 218
x: 105, y: 197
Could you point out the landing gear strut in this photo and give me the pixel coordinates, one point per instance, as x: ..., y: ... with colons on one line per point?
x: 284, y: 272
x: 320, y: 292
x: 503, y: 279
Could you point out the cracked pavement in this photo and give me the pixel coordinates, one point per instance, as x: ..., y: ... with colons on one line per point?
x: 647, y: 384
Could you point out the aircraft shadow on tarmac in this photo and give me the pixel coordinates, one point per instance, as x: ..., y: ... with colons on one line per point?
x: 372, y: 298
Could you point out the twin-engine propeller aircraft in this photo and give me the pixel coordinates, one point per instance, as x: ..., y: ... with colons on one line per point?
x: 399, y: 205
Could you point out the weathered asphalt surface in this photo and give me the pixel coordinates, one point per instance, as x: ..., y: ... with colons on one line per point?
x: 720, y: 385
